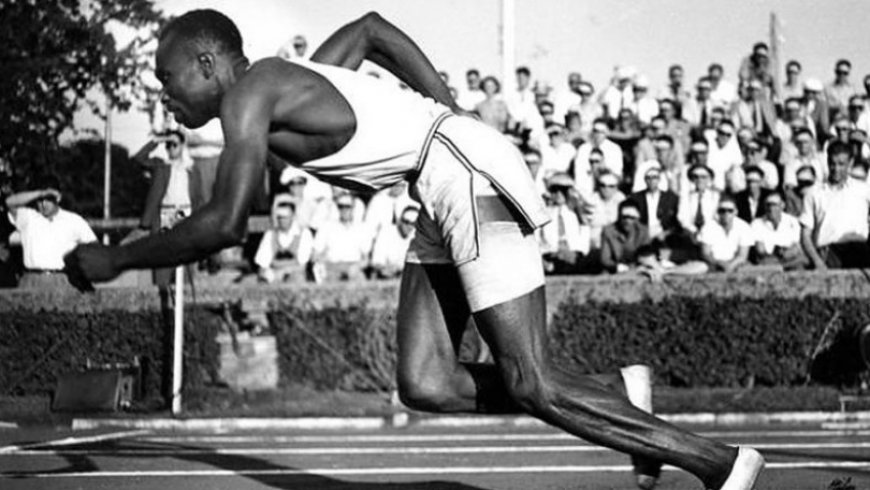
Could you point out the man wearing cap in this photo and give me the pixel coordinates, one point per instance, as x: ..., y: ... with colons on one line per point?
x: 658, y: 208
x: 817, y: 109
x: 286, y: 247
x: 342, y: 246
x: 621, y: 240
x: 386, y: 207
x: 568, y: 99
x: 590, y: 109
x: 644, y: 105
x: 47, y: 233
x: 840, y: 89
x: 777, y: 236
x: 725, y: 240
x: 620, y: 92
x: 557, y: 156
x: 663, y: 146
x: 611, y: 151
x: 604, y: 203
x: 566, y: 240
x: 834, y: 220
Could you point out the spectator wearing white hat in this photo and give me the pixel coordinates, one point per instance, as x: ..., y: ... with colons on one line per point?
x: 621, y: 240
x: 385, y: 208
x: 590, y: 109
x: 644, y: 105
x: 391, y: 245
x: 342, y: 246
x: 816, y: 108
x: 604, y: 204
x: 286, y: 247
x: 777, y: 236
x: 565, y: 240
x: 619, y: 93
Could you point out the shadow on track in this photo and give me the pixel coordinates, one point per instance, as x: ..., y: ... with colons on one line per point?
x: 78, y: 463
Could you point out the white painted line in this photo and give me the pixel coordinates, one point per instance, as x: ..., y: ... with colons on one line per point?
x: 448, y: 470
x: 71, y: 441
x: 383, y: 450
x: 306, y: 423
x: 459, y: 437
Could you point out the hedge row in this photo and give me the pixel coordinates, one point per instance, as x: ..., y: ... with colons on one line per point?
x: 37, y: 347
x: 690, y: 342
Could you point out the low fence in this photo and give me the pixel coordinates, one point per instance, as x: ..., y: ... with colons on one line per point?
x: 713, y: 330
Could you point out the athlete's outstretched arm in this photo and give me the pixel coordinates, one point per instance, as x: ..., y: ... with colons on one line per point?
x: 372, y: 38
x: 219, y: 224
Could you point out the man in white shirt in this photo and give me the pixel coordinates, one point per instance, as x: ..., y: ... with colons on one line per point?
x: 725, y: 241
x: 698, y: 205
x: 723, y: 153
x: 385, y: 208
x: 569, y: 99
x: 285, y: 249
x: 471, y: 95
x: 47, y: 233
x: 777, y: 236
x: 834, y: 220
x: 565, y: 240
x: 619, y: 93
x: 724, y: 92
x: 391, y: 245
x: 611, y: 151
x: 341, y: 247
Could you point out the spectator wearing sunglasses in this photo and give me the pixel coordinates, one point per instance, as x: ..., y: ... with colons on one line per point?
x: 620, y: 241
x: 725, y: 240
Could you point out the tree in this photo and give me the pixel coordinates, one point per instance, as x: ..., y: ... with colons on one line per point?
x: 58, y: 56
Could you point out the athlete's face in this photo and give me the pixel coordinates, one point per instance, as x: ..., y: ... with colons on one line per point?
x: 189, y: 88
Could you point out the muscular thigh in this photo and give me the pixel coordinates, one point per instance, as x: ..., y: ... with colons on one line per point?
x: 432, y: 316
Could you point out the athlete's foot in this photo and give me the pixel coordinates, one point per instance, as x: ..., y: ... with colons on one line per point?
x: 638, y: 389
x: 744, y: 471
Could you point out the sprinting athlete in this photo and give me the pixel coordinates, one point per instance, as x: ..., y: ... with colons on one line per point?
x: 474, y: 252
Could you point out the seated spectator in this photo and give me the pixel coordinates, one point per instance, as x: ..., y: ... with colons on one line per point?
x: 574, y: 132
x: 604, y: 204
x: 664, y: 145
x: 698, y: 204
x: 777, y: 236
x: 626, y: 133
x: 817, y: 110
x: 698, y: 110
x: 328, y: 211
x: 858, y: 114
x: 724, y: 92
x: 312, y: 201
x: 723, y: 153
x: 286, y: 247
x: 644, y: 106
x: 750, y: 201
x: 568, y: 100
x: 620, y: 241
x: 839, y: 90
x: 611, y: 151
x: 806, y: 155
x: 645, y: 149
x: 658, y: 208
x: 472, y: 94
x: 47, y: 233
x: 678, y: 128
x: 493, y: 110
x: 386, y: 207
x: 342, y: 246
x: 755, y: 110
x: 834, y: 220
x: 391, y: 245
x: 794, y: 196
x: 534, y: 163
x: 589, y: 110
x: 725, y: 241
x: 674, y: 90
x: 793, y: 86
x: 756, y: 152
x: 557, y: 156
x: 619, y: 93
x: 565, y: 240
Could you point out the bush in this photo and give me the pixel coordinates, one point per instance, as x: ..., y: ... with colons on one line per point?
x: 36, y: 348
x: 703, y: 341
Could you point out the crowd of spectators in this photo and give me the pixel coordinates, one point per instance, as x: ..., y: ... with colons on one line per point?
x: 722, y: 174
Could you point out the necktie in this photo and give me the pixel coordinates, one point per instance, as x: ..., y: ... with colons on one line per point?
x: 563, y: 238
x: 704, y: 115
x: 699, y: 214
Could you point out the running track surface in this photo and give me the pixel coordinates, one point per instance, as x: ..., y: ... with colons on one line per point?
x: 462, y: 458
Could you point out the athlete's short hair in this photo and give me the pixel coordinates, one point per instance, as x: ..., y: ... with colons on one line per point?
x: 208, y: 27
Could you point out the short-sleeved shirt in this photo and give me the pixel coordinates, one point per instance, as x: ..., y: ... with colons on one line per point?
x: 725, y: 244
x: 837, y: 214
x: 787, y: 234
x: 45, y: 241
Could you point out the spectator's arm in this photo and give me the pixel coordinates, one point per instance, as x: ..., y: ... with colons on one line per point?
x: 265, y: 251
x: 24, y: 198
x: 608, y: 257
x: 739, y: 259
x: 707, y: 256
x: 306, y: 247
x: 371, y: 37
x: 810, y: 249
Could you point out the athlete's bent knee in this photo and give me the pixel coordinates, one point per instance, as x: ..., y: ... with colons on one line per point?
x: 426, y: 393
